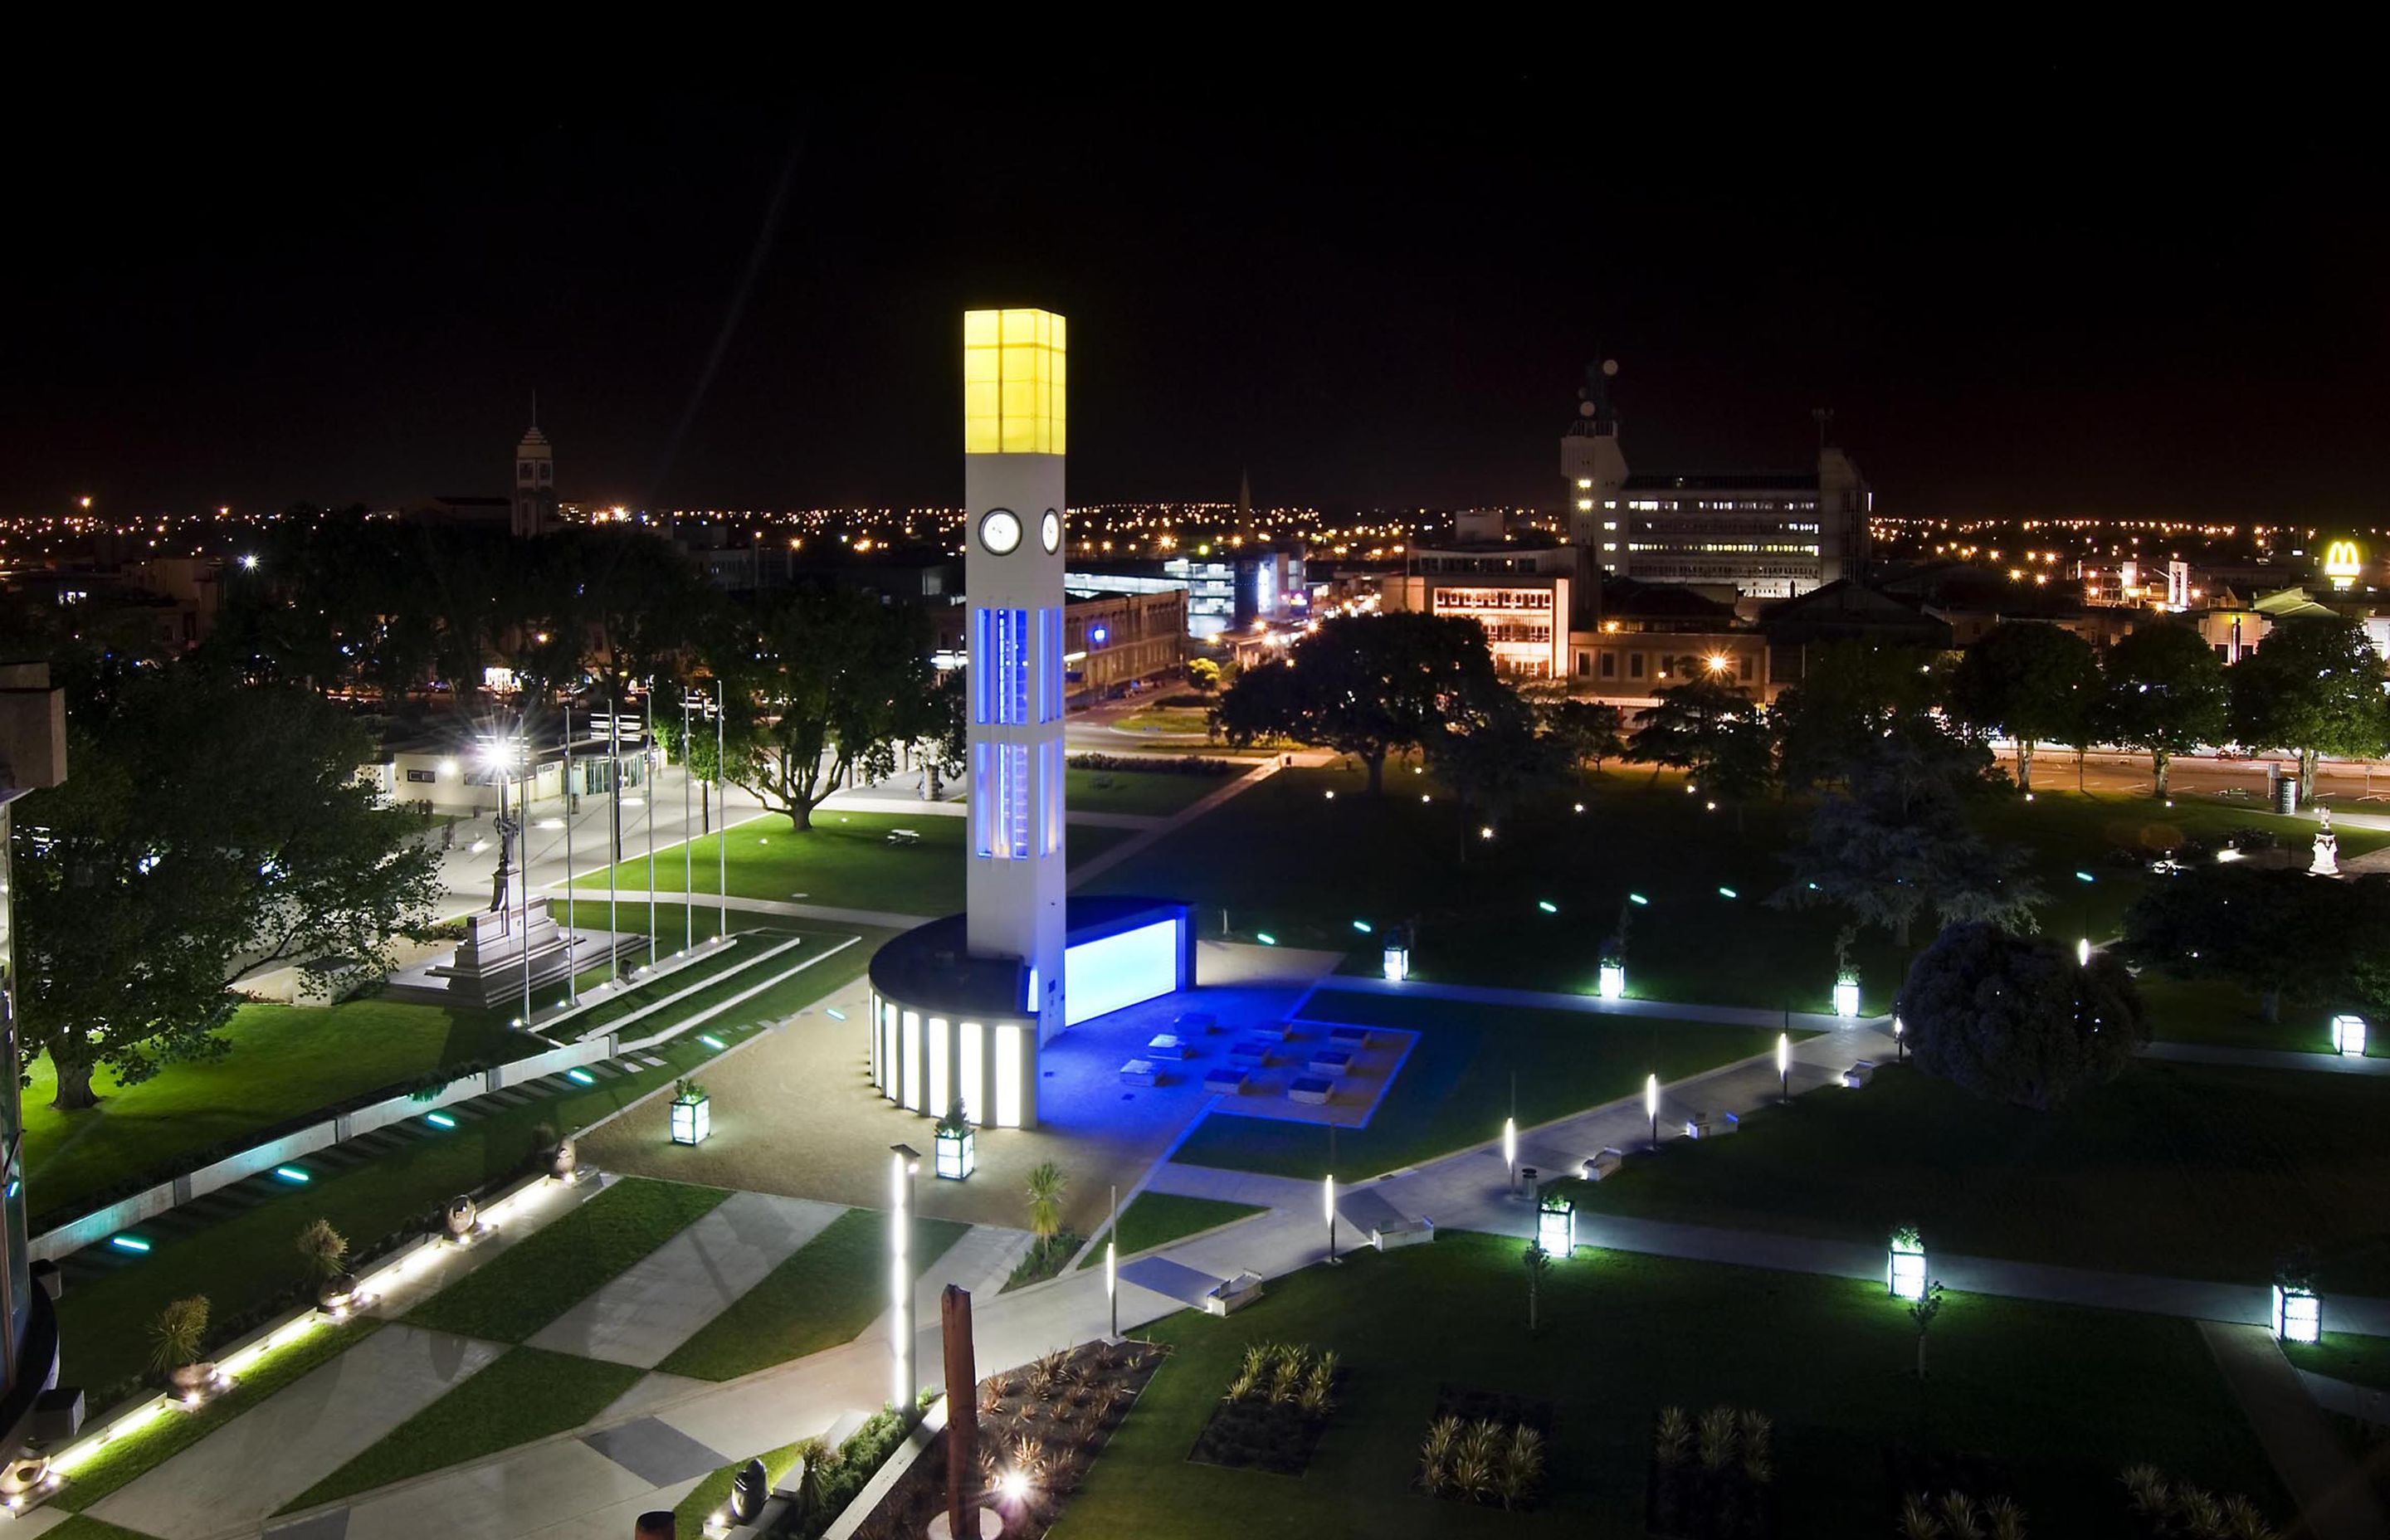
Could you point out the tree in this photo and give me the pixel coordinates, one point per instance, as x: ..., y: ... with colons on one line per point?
x: 1851, y: 694
x: 2271, y: 932
x: 2313, y: 686
x: 2031, y: 680
x: 1366, y: 686
x: 1203, y: 673
x: 2017, y: 1019
x: 1491, y: 757
x: 1046, y: 1186
x: 206, y: 830
x: 1895, y: 843
x: 1743, y: 766
x: 1689, y: 726
x: 2165, y: 694
x: 1539, y: 1261
x: 1585, y: 732
x: 842, y: 679
x: 1920, y: 1315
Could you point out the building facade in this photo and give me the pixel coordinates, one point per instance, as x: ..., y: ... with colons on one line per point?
x: 32, y: 755
x: 533, y: 509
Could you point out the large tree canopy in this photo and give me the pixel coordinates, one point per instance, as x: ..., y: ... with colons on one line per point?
x: 1850, y: 696
x: 1491, y: 758
x: 2275, y: 933
x: 205, y: 829
x: 1366, y: 686
x: 839, y: 680
x: 1692, y: 724
x: 2313, y: 686
x: 2165, y: 694
x: 2032, y: 680
x: 2015, y: 1019
x: 1894, y: 843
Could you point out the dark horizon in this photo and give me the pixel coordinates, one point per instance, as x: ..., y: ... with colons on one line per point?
x: 2036, y: 290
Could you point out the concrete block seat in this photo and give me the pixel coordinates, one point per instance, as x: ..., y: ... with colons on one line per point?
x: 1165, y: 1045
x: 1275, y: 1031
x: 1195, y: 1023
x: 1709, y: 1126
x: 1312, y: 1090
x: 1330, y: 1061
x: 1252, y: 1052
x: 1138, y: 1072
x: 1606, y: 1163
x: 1404, y: 1232
x: 1235, y: 1294
x: 904, y: 836
x: 1226, y: 1081
x: 1351, y: 1039
x: 1859, y: 1073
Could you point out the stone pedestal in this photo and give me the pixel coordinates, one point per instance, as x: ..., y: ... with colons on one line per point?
x: 488, y: 967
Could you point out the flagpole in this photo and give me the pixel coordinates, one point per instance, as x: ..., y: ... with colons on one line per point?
x: 648, y: 747
x: 615, y: 800
x: 687, y: 860
x: 722, y: 835
x: 571, y: 964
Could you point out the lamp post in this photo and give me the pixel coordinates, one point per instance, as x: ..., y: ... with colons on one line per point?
x: 687, y: 859
x: 2083, y: 947
x: 1328, y: 1202
x: 1784, y: 1067
x: 614, y: 813
x: 1510, y: 1153
x: 647, y: 755
x: 572, y: 968
x: 1651, y: 1106
x: 1111, y: 1264
x: 722, y: 841
x: 903, y: 1161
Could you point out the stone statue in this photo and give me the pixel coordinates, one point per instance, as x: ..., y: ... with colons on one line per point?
x: 2327, y: 848
x: 507, y: 829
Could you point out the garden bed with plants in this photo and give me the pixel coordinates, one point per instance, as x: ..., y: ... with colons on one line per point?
x: 1486, y: 1448
x: 1274, y: 1409
x: 1040, y: 1428
x: 1713, y: 1476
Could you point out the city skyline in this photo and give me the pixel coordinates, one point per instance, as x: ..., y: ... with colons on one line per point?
x: 1360, y: 302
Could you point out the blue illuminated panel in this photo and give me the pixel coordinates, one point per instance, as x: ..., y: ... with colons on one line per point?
x: 1000, y: 799
x: 1049, y: 665
x: 1049, y: 812
x: 1121, y: 969
x: 999, y: 669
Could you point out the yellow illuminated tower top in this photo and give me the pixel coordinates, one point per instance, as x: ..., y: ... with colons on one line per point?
x: 1013, y: 367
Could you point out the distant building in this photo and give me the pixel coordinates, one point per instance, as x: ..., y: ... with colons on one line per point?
x: 32, y: 755
x: 1524, y: 592
x: 1761, y: 534
x: 1227, y: 591
x: 535, y: 500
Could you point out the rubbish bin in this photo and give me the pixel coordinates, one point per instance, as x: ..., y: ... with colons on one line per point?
x: 2286, y: 792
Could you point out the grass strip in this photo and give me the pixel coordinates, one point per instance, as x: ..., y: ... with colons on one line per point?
x: 120, y: 1461
x: 1157, y: 1218
x: 714, y: 1492
x: 524, y: 1396
x: 823, y: 1295
x: 2345, y: 1356
x: 556, y: 1269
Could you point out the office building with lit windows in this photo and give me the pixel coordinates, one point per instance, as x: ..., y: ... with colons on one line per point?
x: 32, y: 755
x: 1768, y: 534
x: 960, y: 1007
x: 1524, y: 592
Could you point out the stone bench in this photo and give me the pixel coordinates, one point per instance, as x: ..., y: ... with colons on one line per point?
x: 1312, y: 1090
x: 1608, y: 1163
x: 1251, y: 1051
x: 1352, y: 1039
x: 1168, y: 1047
x: 1709, y: 1126
x: 1138, y: 1072
x: 1191, y: 1022
x: 1226, y: 1081
x: 1330, y: 1061
x: 904, y: 837
x: 1402, y: 1232
x: 1234, y: 1295
x: 1859, y: 1073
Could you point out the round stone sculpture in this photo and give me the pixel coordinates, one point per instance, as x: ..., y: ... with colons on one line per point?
x: 748, y: 1490
x: 462, y: 1216
x: 566, y: 1161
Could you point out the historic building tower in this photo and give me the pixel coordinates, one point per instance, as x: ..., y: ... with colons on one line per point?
x: 535, y: 509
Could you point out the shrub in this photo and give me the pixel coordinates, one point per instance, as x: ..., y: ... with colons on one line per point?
x: 177, y: 1333
x: 2015, y: 1019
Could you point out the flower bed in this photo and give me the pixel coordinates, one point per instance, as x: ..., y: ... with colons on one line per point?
x: 1713, y: 1476
x: 1485, y: 1448
x: 1274, y: 1411
x: 1039, y: 1429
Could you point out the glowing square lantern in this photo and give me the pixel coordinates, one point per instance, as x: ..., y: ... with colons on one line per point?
x: 1397, y: 962
x: 2298, y: 1315
x: 1614, y: 981
x: 1014, y: 383
x: 1903, y: 1272
x: 1556, y: 1227
x: 958, y: 1156
x: 692, y: 1120
x: 1846, y: 998
x: 2348, y: 1035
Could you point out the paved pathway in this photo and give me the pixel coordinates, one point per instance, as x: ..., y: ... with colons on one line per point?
x: 2335, y: 1497
x: 238, y: 1475
x: 1483, y: 995
x: 2267, y: 1059
x: 663, y: 1299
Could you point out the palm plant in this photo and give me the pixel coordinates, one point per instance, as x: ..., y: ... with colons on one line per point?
x: 2006, y: 1520
x: 176, y: 1334
x: 1717, y: 1439
x: 1472, y: 1474
x: 1046, y: 1186
x: 1285, y: 1381
x: 1917, y: 1521
x: 2243, y: 1518
x: 1960, y: 1520
x: 324, y: 1249
x: 1674, y: 1439
x: 1758, y: 1432
x: 1245, y: 1387
x: 1437, y: 1452
x: 2145, y: 1488
x: 1029, y: 1457
x: 1522, y: 1466
x: 2198, y: 1514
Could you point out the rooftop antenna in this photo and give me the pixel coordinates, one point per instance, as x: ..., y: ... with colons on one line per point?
x: 534, y: 408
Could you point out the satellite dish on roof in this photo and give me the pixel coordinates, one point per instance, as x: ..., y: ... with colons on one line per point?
x: 1610, y: 366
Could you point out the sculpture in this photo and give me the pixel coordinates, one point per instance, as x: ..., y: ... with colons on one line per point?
x: 507, y: 829
x: 2327, y: 848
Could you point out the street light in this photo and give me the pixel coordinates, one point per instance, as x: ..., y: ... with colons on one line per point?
x: 903, y: 1163
x: 1784, y: 1066
x: 1510, y: 1152
x: 2083, y: 947
x: 1651, y: 1106
x: 1327, y: 1202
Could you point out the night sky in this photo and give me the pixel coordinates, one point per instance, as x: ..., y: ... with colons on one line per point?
x: 2048, y: 287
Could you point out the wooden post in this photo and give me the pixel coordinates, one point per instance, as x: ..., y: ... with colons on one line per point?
x: 963, y: 1410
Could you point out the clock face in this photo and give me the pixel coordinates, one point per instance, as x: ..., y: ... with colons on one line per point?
x: 999, y: 530
x: 1050, y: 532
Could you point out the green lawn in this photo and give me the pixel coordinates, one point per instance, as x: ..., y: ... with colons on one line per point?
x: 2345, y: 1356
x: 82, y: 1526
x: 690, y: 1514
x: 2177, y: 1170
x: 1456, y: 1086
x: 122, y: 1460
x: 1475, y: 902
x: 238, y: 1262
x: 1155, y: 793
x: 845, y: 860
x: 547, y: 1275
x: 2227, y: 1016
x: 523, y: 1396
x: 822, y: 1296
x: 1157, y: 1218
x: 2064, y: 1398
x: 284, y: 1062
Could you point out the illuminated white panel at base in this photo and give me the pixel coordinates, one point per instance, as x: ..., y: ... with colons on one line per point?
x: 888, y: 1050
x: 908, y: 1061
x: 939, y: 1098
x: 973, y: 1045
x: 1113, y: 971
x: 1007, y: 1077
